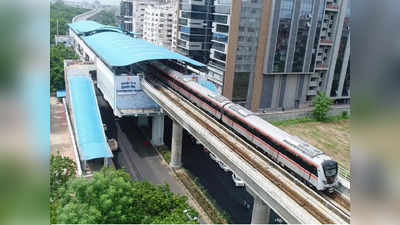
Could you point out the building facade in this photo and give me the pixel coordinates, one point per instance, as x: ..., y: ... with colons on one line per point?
x: 158, y: 24
x: 126, y: 15
x: 277, y: 54
x: 266, y: 54
x: 194, y: 29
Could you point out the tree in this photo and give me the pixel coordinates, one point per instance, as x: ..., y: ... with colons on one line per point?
x: 63, y: 14
x: 57, y: 55
x: 322, y: 105
x: 111, y: 197
x: 61, y: 170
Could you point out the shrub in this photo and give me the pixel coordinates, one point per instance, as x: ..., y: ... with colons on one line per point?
x: 322, y: 105
x: 345, y: 115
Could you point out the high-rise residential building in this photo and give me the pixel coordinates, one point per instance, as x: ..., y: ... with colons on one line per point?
x: 236, y: 30
x: 194, y: 29
x: 158, y: 23
x: 135, y: 9
x: 138, y: 9
x: 175, y: 27
x: 126, y: 15
x: 277, y: 54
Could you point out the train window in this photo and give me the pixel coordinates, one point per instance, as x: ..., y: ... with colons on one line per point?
x: 312, y: 169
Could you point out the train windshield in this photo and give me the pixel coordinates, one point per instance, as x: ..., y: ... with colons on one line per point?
x: 330, y: 168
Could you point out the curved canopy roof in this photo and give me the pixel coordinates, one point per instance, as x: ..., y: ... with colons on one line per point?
x: 85, y: 26
x: 89, y: 127
x: 118, y: 49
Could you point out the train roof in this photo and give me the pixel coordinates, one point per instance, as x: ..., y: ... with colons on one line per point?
x: 204, y: 91
x: 293, y: 141
x: 238, y: 109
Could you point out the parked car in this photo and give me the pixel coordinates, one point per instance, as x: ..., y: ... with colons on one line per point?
x: 223, y: 166
x: 190, y: 217
x: 238, y: 182
x: 214, y: 157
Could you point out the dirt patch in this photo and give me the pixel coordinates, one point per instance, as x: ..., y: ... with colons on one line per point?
x: 333, y: 138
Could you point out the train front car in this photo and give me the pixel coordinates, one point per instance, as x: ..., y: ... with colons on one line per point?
x: 329, y: 174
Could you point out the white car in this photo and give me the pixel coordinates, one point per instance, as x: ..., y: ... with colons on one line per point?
x: 238, y: 182
x: 190, y: 217
x: 223, y: 166
x: 214, y: 157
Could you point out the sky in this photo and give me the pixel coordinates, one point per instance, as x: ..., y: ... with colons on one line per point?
x: 110, y: 2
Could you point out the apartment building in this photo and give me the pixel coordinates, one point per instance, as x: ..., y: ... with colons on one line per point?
x: 126, y: 15
x: 194, y: 29
x: 277, y: 54
x: 158, y: 23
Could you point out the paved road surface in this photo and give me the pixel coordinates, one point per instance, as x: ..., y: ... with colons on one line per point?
x: 136, y: 154
x: 60, y: 136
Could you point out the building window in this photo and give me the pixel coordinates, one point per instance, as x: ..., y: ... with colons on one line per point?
x: 302, y: 35
x: 285, y: 20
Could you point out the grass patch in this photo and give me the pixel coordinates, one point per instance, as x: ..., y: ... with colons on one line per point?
x: 166, y: 153
x: 330, y: 119
x: 203, y: 198
x: 331, y: 136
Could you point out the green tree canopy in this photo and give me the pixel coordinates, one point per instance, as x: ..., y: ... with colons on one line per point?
x: 57, y: 55
x: 61, y: 170
x: 111, y: 197
x: 63, y: 14
x: 322, y: 105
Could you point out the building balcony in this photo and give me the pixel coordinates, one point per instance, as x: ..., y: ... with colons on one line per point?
x: 321, y: 67
x: 222, y: 9
x: 326, y: 42
x: 220, y: 38
x: 312, y: 92
x: 219, y: 47
x: 332, y: 7
x: 313, y: 83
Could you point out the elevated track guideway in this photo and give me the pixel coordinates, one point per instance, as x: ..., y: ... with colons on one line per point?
x: 288, y: 197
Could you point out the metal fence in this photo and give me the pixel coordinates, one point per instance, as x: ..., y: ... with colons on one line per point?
x: 345, y: 173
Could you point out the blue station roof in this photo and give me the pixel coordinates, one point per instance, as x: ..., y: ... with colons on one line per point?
x: 85, y: 26
x: 118, y: 49
x: 89, y: 127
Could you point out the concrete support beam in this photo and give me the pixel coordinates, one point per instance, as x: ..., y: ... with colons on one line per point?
x: 176, y: 146
x: 157, y: 130
x: 143, y: 121
x: 261, y: 212
x: 343, y: 72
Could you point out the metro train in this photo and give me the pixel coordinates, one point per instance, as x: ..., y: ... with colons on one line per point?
x: 308, y: 163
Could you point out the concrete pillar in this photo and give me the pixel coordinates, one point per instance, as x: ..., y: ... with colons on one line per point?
x: 143, y: 121
x: 176, y: 146
x: 261, y: 212
x: 107, y: 162
x: 84, y: 166
x: 157, y: 131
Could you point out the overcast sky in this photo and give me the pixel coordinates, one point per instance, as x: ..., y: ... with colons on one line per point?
x: 110, y: 2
